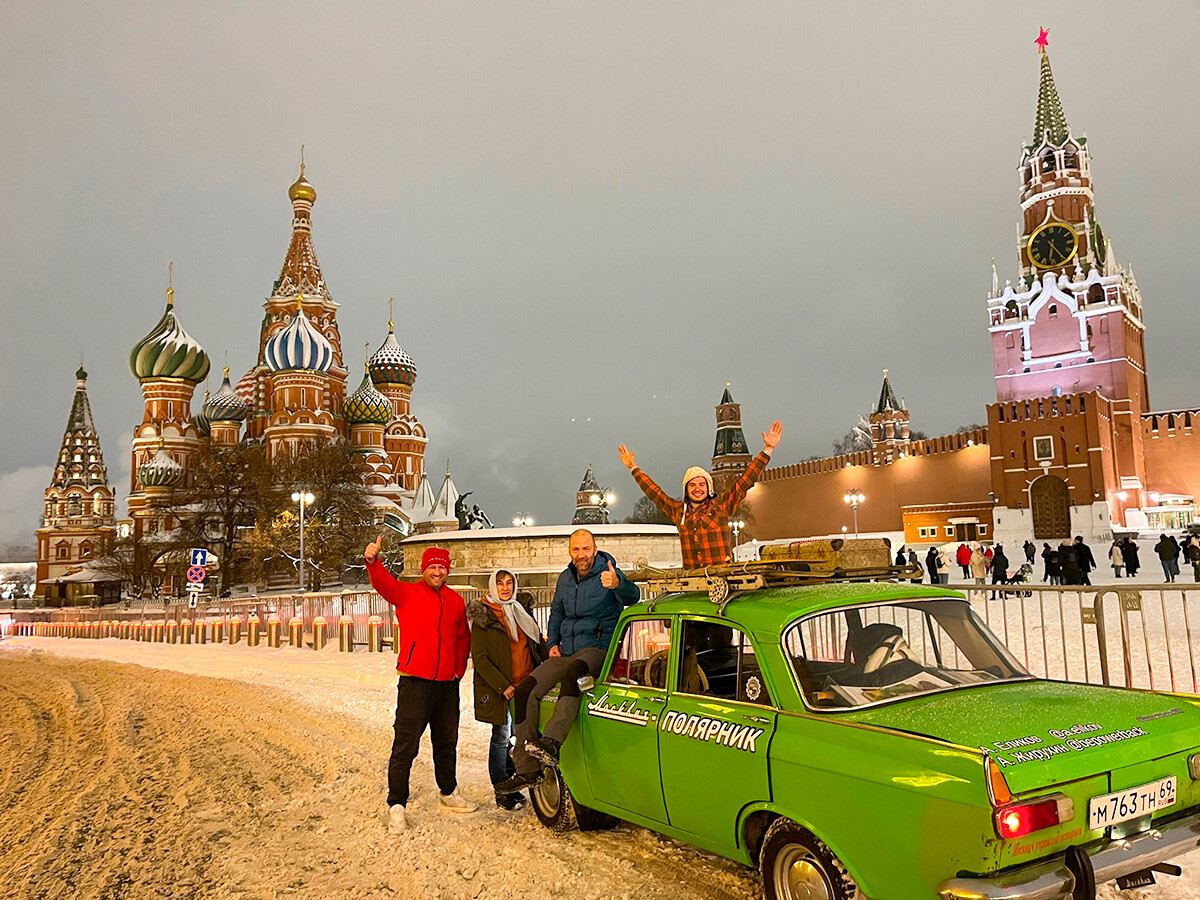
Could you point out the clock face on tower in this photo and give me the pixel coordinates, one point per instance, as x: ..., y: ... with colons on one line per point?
x: 1052, y: 245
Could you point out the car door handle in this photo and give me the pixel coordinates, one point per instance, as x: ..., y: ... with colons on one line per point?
x: 653, y: 698
x: 761, y: 720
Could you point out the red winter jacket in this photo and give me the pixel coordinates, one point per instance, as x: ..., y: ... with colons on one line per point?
x: 434, y: 641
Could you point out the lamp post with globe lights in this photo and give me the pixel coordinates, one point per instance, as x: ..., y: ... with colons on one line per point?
x: 603, y: 502
x: 737, y: 525
x: 304, y: 498
x: 854, y: 497
x: 521, y: 520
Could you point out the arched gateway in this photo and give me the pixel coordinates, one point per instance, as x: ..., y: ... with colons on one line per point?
x: 1051, y: 508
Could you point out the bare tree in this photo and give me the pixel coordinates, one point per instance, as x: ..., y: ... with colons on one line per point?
x: 644, y: 512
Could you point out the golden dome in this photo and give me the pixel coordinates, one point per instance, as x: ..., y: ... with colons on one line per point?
x: 301, y: 189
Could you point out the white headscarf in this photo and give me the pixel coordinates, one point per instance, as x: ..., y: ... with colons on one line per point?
x: 515, y: 615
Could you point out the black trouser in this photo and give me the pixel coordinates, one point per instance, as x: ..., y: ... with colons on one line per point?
x: 421, y: 703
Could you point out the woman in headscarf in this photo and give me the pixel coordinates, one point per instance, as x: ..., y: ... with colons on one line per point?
x: 506, y: 645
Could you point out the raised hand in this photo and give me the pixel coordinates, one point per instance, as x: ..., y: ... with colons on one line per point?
x: 373, y: 549
x: 626, y: 457
x: 610, y: 579
x: 771, y: 438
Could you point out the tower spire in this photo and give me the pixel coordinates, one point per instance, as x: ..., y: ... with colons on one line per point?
x: 1050, y: 120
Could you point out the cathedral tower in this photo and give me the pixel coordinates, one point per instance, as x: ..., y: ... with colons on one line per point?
x: 299, y: 283
x: 394, y: 374
x: 77, y: 521
x: 889, y: 426
x: 1067, y: 348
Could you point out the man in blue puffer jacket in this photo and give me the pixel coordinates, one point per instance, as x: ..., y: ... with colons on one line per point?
x: 588, y: 599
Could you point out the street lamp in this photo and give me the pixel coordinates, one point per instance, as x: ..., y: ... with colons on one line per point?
x: 737, y: 525
x: 854, y: 497
x: 521, y: 520
x: 304, y: 498
x: 603, y: 501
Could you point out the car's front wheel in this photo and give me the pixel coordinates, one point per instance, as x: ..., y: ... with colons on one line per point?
x: 552, y: 801
x: 795, y: 865
x: 559, y: 811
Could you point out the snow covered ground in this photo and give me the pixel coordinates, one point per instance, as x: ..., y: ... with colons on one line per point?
x: 259, y: 772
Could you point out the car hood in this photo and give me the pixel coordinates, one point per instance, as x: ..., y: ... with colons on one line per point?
x: 1048, y: 732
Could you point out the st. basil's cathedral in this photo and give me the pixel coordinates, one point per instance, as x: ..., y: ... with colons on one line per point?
x: 294, y: 394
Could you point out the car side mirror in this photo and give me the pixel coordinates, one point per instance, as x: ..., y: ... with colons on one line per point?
x: 586, y: 683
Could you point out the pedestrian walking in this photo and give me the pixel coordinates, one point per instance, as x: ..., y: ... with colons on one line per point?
x: 506, y: 645
x: 1030, y: 553
x: 1167, y: 550
x: 978, y: 565
x: 1117, y: 558
x: 963, y: 558
x: 916, y: 565
x: 1053, y: 569
x: 1129, y: 550
x: 1193, y: 556
x: 999, y: 568
x: 1068, y: 563
x: 1084, y: 559
x: 931, y: 566
x: 433, y: 646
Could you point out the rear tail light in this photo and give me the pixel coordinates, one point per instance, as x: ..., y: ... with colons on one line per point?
x: 998, y: 790
x: 1194, y: 766
x: 1025, y: 818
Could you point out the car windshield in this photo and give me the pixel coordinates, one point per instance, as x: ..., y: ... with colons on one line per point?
x: 862, y: 655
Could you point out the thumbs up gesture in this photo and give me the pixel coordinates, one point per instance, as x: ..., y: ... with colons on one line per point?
x: 373, y: 549
x: 610, y: 579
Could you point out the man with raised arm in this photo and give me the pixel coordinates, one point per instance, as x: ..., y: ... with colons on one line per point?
x: 432, y: 649
x: 588, y: 599
x: 702, y: 516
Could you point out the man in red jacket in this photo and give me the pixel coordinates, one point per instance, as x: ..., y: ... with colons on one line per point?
x: 433, y: 646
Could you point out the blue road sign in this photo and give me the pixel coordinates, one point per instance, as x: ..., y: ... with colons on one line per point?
x: 199, y: 557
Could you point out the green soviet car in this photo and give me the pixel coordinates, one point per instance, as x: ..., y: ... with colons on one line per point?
x: 875, y: 741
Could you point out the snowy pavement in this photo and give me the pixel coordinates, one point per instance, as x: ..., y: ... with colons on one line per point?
x: 312, y: 730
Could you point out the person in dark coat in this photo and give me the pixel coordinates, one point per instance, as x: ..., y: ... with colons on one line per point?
x: 931, y: 565
x: 1193, y: 556
x: 900, y: 561
x: 1084, y: 559
x: 1167, y: 549
x: 1030, y: 552
x: 1129, y: 551
x: 999, y: 567
x: 1068, y: 562
x: 506, y: 646
x: 1053, y: 573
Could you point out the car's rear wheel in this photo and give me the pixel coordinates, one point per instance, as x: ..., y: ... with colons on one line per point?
x: 795, y: 865
x: 559, y: 811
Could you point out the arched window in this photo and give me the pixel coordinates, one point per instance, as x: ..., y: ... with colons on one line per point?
x: 1048, y: 161
x: 1052, y: 309
x: 1010, y: 340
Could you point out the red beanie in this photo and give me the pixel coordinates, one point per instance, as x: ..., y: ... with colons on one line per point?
x: 435, y: 556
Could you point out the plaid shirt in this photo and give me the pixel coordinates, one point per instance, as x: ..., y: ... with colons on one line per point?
x: 704, y: 534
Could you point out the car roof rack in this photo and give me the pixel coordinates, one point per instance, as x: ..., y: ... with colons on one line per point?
x: 825, y: 561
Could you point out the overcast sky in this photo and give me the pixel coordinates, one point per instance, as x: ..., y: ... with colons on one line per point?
x: 591, y: 215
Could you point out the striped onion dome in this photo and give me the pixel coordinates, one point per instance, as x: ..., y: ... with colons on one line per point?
x: 225, y: 405
x: 200, y: 419
x: 245, y: 388
x: 367, y: 406
x: 299, y: 346
x: 160, y: 470
x: 168, y: 351
x: 390, y: 364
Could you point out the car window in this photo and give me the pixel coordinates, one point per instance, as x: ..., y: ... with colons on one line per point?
x: 719, y: 661
x: 642, y: 654
x: 869, y: 654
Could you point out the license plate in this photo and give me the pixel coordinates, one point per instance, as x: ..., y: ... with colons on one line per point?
x: 1130, y: 803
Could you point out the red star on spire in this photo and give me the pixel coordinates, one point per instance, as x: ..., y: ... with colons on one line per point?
x: 1043, y: 38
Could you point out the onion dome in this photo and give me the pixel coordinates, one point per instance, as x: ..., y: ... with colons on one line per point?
x: 225, y: 405
x: 168, y: 351
x: 299, y: 346
x: 160, y: 470
x: 301, y: 189
x: 245, y: 388
x: 367, y: 406
x: 200, y: 419
x: 390, y: 364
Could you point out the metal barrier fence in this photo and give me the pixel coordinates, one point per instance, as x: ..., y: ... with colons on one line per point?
x: 1138, y: 637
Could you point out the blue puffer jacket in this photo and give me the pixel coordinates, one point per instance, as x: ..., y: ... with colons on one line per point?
x: 584, y: 613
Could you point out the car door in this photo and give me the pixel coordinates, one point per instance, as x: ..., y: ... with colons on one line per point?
x: 620, y: 719
x: 715, y: 733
